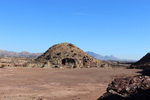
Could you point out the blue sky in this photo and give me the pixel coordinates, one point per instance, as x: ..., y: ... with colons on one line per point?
x: 107, y: 27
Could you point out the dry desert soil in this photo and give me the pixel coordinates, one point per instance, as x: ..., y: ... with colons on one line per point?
x: 57, y: 84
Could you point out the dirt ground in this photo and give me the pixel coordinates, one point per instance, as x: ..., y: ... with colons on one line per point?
x: 57, y: 84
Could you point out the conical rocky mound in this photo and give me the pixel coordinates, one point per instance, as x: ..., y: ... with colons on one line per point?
x: 142, y: 63
x: 66, y: 54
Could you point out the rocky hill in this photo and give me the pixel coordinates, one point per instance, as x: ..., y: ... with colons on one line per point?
x: 24, y: 54
x: 67, y: 54
x: 143, y: 62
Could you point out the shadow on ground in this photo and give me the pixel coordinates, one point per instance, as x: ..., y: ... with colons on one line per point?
x: 142, y: 95
x: 145, y: 72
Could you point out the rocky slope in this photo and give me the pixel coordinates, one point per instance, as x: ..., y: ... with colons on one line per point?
x: 143, y: 62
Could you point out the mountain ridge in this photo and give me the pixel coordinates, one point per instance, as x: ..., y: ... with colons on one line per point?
x: 107, y: 58
x: 19, y: 54
x: 35, y: 55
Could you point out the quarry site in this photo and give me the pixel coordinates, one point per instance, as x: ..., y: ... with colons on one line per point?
x: 74, y: 50
x: 65, y: 72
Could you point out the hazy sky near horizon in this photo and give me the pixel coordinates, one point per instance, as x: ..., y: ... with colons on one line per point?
x: 107, y: 27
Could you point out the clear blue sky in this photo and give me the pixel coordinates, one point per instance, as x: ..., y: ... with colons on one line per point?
x: 107, y: 27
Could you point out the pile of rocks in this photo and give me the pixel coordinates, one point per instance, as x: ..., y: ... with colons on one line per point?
x: 128, y: 88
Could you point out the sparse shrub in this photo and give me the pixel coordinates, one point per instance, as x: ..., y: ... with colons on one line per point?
x: 2, y: 66
x: 71, y: 45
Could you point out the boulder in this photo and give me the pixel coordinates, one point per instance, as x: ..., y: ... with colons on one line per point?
x: 128, y: 88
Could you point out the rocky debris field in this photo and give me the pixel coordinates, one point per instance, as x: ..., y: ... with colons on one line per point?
x: 14, y: 61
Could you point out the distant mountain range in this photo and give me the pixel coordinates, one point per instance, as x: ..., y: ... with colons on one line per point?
x: 107, y: 58
x: 20, y: 54
x: 35, y: 55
